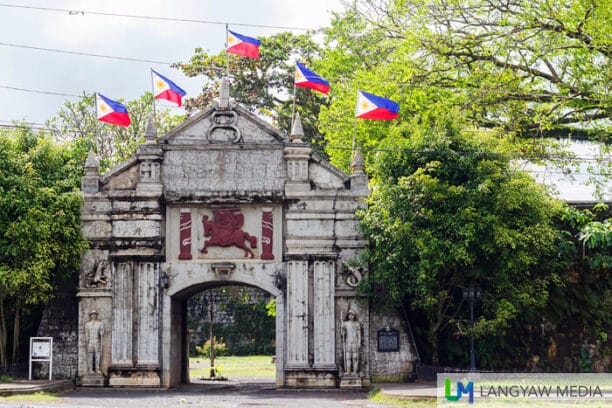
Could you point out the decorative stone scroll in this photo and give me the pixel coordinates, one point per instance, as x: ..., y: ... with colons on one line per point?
x: 267, y: 234
x: 354, y: 275
x: 185, y: 235
x: 224, y: 128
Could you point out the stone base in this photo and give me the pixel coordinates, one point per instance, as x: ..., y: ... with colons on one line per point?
x: 311, y: 379
x: 93, y: 380
x: 134, y: 379
x: 351, y: 381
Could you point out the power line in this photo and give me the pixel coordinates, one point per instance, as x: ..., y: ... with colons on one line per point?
x: 150, y: 61
x: 144, y: 17
x: 339, y: 80
x: 114, y: 57
x: 40, y: 92
x: 25, y: 124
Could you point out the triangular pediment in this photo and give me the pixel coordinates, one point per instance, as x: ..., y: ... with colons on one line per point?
x: 231, y: 124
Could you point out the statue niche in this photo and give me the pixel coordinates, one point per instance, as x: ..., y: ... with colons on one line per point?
x: 225, y: 230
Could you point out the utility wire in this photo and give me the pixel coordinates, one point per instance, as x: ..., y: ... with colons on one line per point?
x: 150, y: 61
x: 340, y: 80
x: 40, y: 92
x: 144, y: 17
x: 42, y: 126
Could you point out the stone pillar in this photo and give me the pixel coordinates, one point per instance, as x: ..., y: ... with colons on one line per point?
x: 280, y: 341
x: 121, y: 344
x: 324, y: 334
x: 148, y: 314
x: 297, y: 314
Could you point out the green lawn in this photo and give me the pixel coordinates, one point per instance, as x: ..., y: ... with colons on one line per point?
x: 37, y: 397
x: 234, y: 367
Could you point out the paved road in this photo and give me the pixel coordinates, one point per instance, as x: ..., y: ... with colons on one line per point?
x: 209, y: 397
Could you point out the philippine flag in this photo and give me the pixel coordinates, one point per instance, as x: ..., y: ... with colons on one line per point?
x: 375, y: 107
x: 242, y: 45
x: 112, y: 112
x: 305, y: 78
x: 166, y: 89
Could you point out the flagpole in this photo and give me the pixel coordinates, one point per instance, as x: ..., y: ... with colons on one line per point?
x: 226, y: 53
x: 354, y: 127
x: 96, y: 130
x: 153, y: 97
x: 293, y: 109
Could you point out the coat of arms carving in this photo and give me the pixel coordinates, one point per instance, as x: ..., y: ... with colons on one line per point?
x: 225, y: 230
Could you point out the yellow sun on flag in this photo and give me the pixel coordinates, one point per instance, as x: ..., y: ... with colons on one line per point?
x: 159, y: 84
x: 103, y: 108
x: 231, y: 39
x: 299, y: 77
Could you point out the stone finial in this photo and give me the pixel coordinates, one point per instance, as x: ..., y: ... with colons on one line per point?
x: 224, y: 93
x: 92, y: 165
x: 297, y: 131
x: 150, y: 132
x: 357, y: 163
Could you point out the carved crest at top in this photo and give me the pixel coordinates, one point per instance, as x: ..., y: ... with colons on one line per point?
x: 224, y: 128
x: 225, y: 230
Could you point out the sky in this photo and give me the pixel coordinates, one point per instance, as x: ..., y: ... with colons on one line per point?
x: 162, y: 41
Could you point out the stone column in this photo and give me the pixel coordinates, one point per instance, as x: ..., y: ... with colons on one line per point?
x: 148, y: 314
x: 324, y: 334
x: 121, y: 344
x: 297, y: 314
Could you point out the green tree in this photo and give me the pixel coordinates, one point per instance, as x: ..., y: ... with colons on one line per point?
x: 528, y: 67
x: 264, y: 85
x: 114, y: 144
x: 40, y: 233
x: 448, y: 211
x: 581, y: 304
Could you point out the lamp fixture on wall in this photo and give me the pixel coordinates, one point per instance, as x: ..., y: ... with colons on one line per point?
x: 164, y: 280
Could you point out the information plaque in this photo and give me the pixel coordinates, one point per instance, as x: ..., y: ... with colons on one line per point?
x: 388, y: 340
x: 41, y: 350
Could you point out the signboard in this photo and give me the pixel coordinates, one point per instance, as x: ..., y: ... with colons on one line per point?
x: 388, y: 340
x: 41, y: 350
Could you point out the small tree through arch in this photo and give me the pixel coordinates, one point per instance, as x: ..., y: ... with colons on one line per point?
x: 231, y: 321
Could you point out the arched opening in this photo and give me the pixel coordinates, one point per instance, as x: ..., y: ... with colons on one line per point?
x: 187, y: 328
x: 240, y: 320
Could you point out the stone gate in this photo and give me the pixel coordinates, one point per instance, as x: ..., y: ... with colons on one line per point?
x: 225, y: 198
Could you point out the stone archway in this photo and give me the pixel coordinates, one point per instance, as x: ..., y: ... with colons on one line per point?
x: 203, y: 276
x: 226, y: 198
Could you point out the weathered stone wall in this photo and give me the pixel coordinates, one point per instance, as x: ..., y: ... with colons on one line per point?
x: 391, y: 365
x: 59, y: 321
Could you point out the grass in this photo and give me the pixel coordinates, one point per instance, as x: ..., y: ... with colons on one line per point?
x: 37, y: 397
x: 6, y: 379
x: 234, y: 367
x: 377, y: 397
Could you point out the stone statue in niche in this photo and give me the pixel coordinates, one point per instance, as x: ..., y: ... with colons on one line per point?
x: 351, y: 341
x: 98, y: 278
x: 94, y: 332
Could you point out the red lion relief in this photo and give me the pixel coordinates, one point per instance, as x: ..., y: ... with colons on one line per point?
x: 225, y: 231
